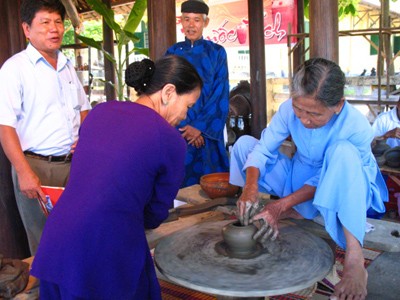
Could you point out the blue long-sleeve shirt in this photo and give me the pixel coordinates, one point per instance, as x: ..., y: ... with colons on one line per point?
x: 347, y: 182
x: 210, y: 111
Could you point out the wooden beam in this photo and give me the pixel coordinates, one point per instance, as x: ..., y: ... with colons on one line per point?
x: 299, y: 52
x: 72, y: 12
x: 257, y: 67
x: 161, y: 17
x: 324, y: 29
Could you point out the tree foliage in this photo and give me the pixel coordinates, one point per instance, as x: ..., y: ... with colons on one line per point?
x: 92, y: 28
x: 346, y: 7
x: 69, y: 36
x: 123, y: 34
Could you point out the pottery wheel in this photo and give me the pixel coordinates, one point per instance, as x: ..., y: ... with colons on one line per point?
x: 296, y: 260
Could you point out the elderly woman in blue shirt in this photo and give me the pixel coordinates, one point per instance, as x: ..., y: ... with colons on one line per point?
x: 332, y: 174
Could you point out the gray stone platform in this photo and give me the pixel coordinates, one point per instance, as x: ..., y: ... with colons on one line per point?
x: 385, y: 236
x: 384, y: 277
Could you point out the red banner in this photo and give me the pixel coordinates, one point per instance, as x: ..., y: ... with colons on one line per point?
x: 229, y: 21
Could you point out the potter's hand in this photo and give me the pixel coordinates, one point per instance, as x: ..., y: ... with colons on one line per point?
x: 268, y: 220
x: 248, y: 204
x: 265, y: 231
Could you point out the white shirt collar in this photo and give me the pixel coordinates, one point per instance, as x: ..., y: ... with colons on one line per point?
x: 34, y: 56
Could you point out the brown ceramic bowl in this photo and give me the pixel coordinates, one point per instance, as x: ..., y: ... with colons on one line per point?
x: 392, y: 157
x: 217, y: 185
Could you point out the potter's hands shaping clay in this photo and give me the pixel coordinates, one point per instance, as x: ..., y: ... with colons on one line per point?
x: 268, y: 221
x: 248, y: 204
x: 264, y: 232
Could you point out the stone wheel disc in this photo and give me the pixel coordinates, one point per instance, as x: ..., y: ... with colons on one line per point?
x: 296, y: 260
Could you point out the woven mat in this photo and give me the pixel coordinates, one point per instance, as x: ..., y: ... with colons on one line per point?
x: 171, y: 291
x: 321, y: 290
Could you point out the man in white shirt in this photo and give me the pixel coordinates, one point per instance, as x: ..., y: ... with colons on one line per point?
x: 387, y: 126
x: 42, y: 106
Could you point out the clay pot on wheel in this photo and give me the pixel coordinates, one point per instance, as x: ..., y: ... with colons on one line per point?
x: 239, y: 239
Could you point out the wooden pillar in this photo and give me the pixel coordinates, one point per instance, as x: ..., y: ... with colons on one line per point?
x: 109, y: 72
x: 299, y: 52
x: 13, y: 240
x: 386, y: 38
x: 257, y: 67
x: 12, y: 39
x: 161, y: 17
x: 324, y: 29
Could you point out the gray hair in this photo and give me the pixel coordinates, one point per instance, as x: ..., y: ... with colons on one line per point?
x: 205, y: 17
x: 320, y: 79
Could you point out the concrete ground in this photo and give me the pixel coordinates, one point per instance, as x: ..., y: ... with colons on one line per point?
x: 384, y: 271
x: 383, y: 278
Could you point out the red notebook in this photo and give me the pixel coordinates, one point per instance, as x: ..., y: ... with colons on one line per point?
x: 52, y: 193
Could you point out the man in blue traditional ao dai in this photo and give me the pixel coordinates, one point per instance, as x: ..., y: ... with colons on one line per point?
x: 204, y: 125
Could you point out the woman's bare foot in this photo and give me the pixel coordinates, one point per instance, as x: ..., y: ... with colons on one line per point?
x: 353, y: 285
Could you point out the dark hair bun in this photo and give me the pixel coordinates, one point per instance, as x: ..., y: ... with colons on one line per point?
x: 139, y: 74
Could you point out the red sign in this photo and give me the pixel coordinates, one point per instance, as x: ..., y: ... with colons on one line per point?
x: 229, y: 21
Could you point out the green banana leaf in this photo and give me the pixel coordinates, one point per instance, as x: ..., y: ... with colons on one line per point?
x: 95, y: 44
x: 133, y: 37
x: 135, y: 16
x: 123, y: 37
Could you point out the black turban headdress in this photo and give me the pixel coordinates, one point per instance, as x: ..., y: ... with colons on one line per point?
x: 194, y: 6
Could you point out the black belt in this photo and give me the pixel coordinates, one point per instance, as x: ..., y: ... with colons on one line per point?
x: 49, y: 158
